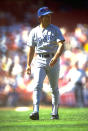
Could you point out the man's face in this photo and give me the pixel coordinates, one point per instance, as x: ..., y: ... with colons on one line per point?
x: 46, y: 19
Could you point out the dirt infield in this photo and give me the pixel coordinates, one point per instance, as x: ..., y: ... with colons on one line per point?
x: 23, y: 107
x: 12, y: 108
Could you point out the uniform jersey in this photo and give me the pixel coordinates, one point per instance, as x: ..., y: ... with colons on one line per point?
x: 45, y: 40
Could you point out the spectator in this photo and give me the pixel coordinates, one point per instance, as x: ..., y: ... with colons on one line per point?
x: 77, y: 79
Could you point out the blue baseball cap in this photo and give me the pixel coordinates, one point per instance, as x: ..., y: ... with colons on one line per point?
x: 43, y: 11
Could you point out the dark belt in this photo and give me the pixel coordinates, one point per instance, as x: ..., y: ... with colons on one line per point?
x: 79, y: 83
x: 46, y: 55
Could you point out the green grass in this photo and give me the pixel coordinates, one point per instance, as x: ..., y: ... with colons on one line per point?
x: 71, y: 119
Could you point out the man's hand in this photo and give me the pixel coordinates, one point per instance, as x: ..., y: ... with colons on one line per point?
x: 52, y: 62
x: 57, y: 54
x: 28, y: 70
x: 30, y: 55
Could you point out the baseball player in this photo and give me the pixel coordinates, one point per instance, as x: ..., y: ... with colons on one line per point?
x: 47, y: 42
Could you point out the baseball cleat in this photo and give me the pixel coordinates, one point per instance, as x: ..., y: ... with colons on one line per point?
x: 54, y: 117
x: 34, y: 116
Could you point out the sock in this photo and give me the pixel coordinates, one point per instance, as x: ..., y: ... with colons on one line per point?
x: 54, y: 109
x: 36, y: 108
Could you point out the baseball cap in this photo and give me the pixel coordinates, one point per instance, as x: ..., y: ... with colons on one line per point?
x: 44, y: 11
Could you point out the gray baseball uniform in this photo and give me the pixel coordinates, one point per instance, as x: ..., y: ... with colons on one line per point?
x: 45, y: 42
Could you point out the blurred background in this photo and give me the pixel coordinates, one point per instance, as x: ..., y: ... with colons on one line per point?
x: 17, y: 18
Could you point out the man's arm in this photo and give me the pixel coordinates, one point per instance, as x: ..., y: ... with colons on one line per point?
x: 57, y: 54
x: 29, y: 59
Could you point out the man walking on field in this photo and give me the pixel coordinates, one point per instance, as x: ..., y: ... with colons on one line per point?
x: 47, y: 42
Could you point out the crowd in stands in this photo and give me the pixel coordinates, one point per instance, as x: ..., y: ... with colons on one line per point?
x: 16, y: 87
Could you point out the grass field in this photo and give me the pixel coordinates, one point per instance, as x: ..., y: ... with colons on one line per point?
x: 70, y: 119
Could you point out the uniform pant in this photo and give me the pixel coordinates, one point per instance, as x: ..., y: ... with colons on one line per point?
x: 42, y: 69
